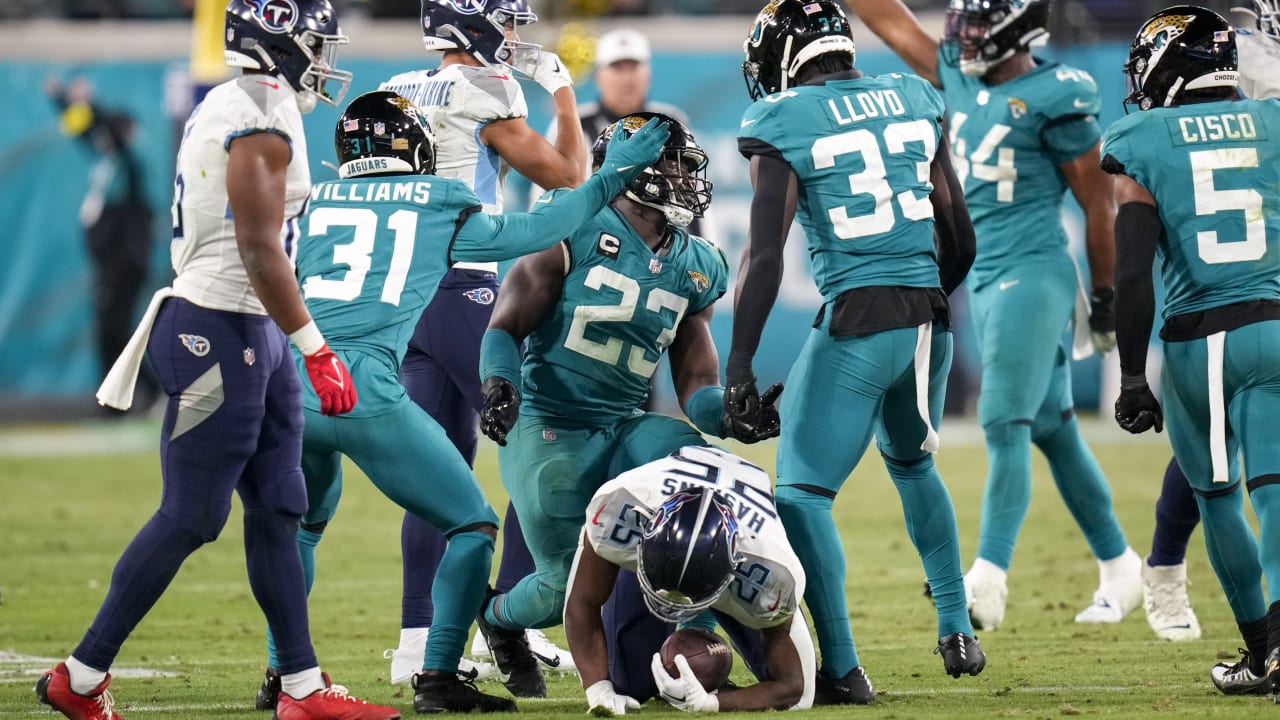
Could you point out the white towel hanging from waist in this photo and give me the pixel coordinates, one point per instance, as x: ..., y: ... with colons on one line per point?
x: 924, y: 342
x: 117, y: 388
x: 1081, y: 336
x: 1216, y: 344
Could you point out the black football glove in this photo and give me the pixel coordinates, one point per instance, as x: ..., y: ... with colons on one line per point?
x: 1137, y: 409
x: 750, y: 417
x: 1102, y: 320
x: 501, y: 408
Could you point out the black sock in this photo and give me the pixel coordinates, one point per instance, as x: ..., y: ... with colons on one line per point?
x: 1273, y: 627
x: 1255, y: 639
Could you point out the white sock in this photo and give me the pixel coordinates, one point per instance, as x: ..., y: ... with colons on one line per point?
x: 301, y: 684
x: 83, y: 678
x: 1118, y: 567
x: 985, y: 569
x: 413, y: 637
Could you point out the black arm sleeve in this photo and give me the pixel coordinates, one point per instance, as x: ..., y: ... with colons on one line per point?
x: 772, y: 208
x: 1138, y: 230
x: 953, y: 230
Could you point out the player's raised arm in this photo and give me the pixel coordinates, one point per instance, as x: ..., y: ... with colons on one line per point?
x: 485, y: 237
x: 893, y: 23
x: 549, y: 164
x: 591, y: 580
x: 953, y: 229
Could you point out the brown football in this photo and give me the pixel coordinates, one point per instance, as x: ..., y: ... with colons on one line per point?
x: 709, y: 656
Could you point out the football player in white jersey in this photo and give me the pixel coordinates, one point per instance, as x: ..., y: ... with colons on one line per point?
x: 234, y: 418
x: 700, y: 530
x: 478, y: 111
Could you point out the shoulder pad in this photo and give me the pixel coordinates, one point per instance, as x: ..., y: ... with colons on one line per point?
x: 493, y: 96
x: 1074, y: 92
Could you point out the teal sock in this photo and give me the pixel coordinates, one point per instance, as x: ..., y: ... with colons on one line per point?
x: 813, y: 535
x: 466, y: 564
x: 1084, y: 489
x: 307, y: 541
x: 1266, y: 505
x: 931, y: 524
x: 1008, y: 491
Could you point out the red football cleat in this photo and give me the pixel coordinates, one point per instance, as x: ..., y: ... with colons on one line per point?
x: 332, y: 703
x: 54, y: 689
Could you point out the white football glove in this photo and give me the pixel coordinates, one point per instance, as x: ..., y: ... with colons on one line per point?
x: 603, y: 701
x: 685, y: 692
x: 551, y: 73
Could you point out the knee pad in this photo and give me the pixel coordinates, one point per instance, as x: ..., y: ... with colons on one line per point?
x: 314, y: 527
x: 793, y: 500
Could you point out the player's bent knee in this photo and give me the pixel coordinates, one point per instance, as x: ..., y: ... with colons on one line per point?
x: 798, y: 499
x: 314, y: 527
x: 484, y: 527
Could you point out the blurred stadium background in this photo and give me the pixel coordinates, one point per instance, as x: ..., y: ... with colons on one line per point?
x: 148, y: 60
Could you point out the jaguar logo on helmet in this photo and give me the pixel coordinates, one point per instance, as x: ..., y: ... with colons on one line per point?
x: 278, y: 16
x: 1161, y: 30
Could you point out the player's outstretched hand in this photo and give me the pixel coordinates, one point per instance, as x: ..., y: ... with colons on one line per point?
x: 1102, y: 320
x: 604, y: 701
x: 631, y: 155
x: 550, y: 73
x: 331, y: 380
x: 685, y: 692
x: 1137, y: 409
x: 501, y: 408
x: 748, y: 416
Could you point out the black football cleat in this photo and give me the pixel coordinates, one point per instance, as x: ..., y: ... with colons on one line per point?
x: 443, y: 692
x: 1238, y: 678
x: 512, y: 655
x: 1273, y: 674
x: 269, y: 691
x: 961, y: 654
x: 852, y: 689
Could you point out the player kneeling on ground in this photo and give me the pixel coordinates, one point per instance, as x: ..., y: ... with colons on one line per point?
x: 699, y: 530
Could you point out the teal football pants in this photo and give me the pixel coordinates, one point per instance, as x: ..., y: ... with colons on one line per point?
x: 1025, y: 398
x: 839, y: 392
x: 407, y: 456
x: 1249, y: 382
x: 551, y: 471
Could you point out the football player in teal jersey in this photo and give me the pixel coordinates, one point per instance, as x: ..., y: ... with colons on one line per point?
x: 374, y: 247
x: 596, y: 313
x: 1024, y: 130
x: 863, y: 163
x: 1198, y: 185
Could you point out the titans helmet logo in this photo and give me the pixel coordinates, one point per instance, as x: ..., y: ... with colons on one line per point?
x: 468, y: 7
x: 277, y: 16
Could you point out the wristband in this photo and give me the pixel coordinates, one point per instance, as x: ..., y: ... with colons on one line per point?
x: 307, y: 338
x: 705, y: 408
x: 499, y: 355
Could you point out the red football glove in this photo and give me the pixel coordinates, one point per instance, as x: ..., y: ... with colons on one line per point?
x: 331, y: 381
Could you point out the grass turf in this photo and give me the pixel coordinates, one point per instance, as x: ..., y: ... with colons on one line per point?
x: 66, y: 518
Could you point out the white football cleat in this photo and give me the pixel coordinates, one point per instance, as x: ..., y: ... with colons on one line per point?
x: 551, y: 656
x: 986, y: 591
x: 406, y: 660
x: 1119, y: 589
x: 1164, y: 597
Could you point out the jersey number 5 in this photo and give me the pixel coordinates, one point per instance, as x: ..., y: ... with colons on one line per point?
x: 610, y: 351
x: 873, y: 180
x: 357, y: 254
x: 1211, y: 201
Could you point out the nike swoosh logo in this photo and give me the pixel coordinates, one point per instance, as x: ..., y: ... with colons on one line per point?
x: 674, y: 699
x: 595, y: 519
x: 776, y: 603
x: 1081, y: 104
x: 273, y: 86
x: 1009, y: 283
x: 749, y: 122
x: 548, y: 661
x: 337, y: 374
x: 625, y: 168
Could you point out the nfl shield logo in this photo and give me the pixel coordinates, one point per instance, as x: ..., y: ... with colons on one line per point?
x: 655, y: 265
x: 548, y: 434
x: 379, y: 128
x: 249, y: 357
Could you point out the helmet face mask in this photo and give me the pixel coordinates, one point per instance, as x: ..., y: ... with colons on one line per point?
x: 487, y: 30
x: 677, y: 184
x: 296, y: 40
x: 786, y: 35
x: 381, y: 133
x: 687, y: 554
x: 1179, y: 54
x: 981, y: 34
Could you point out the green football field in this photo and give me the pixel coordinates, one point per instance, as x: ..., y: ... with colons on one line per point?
x: 74, y: 497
